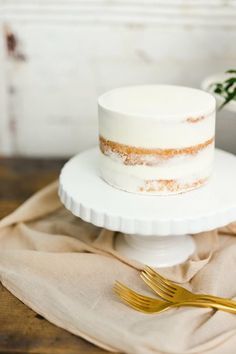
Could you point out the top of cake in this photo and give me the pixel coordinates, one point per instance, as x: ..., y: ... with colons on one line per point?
x: 160, y: 102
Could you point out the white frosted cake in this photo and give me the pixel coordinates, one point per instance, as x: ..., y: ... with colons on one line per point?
x: 156, y: 139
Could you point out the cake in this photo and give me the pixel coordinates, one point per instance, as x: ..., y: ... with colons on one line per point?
x: 156, y: 139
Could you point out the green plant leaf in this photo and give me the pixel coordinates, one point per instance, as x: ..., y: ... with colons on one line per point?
x: 226, y: 89
x: 228, y: 99
x: 231, y: 71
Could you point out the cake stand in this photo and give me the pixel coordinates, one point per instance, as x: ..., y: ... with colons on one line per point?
x: 154, y: 230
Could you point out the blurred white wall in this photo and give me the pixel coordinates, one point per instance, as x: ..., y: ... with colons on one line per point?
x: 57, y: 56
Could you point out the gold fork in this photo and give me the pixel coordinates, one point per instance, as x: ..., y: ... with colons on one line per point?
x: 140, y: 302
x: 150, y: 305
x: 172, y: 292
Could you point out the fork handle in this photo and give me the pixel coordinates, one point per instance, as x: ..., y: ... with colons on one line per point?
x: 219, y: 300
x: 212, y: 304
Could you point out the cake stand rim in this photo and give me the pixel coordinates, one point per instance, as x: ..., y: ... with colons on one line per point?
x: 145, y: 227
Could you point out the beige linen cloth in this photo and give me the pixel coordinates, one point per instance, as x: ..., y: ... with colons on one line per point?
x: 64, y: 269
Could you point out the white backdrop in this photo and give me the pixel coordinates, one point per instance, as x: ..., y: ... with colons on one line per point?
x: 62, y: 54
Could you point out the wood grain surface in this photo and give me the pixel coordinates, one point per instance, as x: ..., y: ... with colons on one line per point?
x: 21, y: 329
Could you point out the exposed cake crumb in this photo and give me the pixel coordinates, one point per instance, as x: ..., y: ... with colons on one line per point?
x: 171, y: 185
x: 131, y: 155
x: 195, y: 119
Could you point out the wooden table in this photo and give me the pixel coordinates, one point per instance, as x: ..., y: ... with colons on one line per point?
x: 21, y: 329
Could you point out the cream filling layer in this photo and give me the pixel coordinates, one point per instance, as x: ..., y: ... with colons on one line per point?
x: 174, y: 168
x: 136, y: 183
x: 153, y: 133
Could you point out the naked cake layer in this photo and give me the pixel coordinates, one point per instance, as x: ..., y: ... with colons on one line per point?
x: 131, y: 155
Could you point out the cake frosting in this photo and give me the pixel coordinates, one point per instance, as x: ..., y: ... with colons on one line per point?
x: 156, y: 139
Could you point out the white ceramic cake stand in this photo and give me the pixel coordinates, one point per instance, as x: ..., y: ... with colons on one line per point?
x: 154, y: 229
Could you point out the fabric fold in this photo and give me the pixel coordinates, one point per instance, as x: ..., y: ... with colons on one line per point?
x: 64, y: 269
